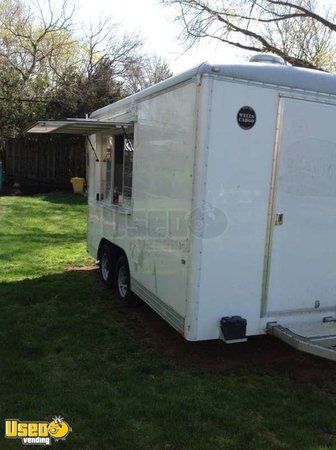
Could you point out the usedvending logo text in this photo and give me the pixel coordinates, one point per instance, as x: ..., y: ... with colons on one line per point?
x: 37, y: 432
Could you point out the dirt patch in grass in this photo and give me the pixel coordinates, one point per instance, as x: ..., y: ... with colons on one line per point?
x: 82, y: 268
x: 262, y: 353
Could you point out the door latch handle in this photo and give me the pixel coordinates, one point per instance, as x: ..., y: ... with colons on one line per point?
x: 329, y: 319
x: 278, y: 219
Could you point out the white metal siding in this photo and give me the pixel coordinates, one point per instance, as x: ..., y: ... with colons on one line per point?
x: 158, y: 252
x: 238, y: 183
x: 163, y: 180
x: 303, y: 249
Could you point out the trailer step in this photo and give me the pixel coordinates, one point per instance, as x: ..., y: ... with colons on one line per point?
x: 318, y: 339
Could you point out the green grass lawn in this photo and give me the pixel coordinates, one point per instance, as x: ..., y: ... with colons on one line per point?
x: 121, y: 377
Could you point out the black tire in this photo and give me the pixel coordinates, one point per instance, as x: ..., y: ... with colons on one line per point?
x: 106, y: 265
x: 122, y: 283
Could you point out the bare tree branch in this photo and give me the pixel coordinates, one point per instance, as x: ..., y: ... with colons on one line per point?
x: 144, y: 71
x: 27, y: 41
x: 300, y: 31
x: 307, y: 12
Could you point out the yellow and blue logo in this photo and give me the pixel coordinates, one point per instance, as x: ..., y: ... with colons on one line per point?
x: 37, y: 433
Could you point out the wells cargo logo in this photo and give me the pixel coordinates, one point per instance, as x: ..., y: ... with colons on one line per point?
x: 37, y: 433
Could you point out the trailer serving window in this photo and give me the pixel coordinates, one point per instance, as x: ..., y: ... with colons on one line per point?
x: 117, y: 170
x: 117, y: 152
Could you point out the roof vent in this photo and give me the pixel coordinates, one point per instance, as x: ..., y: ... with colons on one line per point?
x: 267, y: 58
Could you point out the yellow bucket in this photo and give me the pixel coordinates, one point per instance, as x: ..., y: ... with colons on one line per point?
x: 78, y: 185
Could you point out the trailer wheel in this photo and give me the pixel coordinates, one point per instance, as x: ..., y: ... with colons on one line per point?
x: 122, y: 281
x: 106, y: 265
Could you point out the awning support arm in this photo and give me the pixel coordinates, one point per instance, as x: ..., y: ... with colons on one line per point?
x: 127, y: 139
x: 92, y: 147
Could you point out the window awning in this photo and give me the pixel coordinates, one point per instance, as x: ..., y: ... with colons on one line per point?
x: 77, y: 126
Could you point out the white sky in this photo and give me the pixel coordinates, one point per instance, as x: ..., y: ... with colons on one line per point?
x: 156, y: 25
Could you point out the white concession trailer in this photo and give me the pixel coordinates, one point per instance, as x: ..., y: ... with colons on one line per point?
x: 212, y: 196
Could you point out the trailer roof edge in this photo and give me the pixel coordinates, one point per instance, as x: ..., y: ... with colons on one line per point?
x: 272, y: 74
x: 165, y: 84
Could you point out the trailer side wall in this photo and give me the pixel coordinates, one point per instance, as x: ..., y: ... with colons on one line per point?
x: 237, y: 195
x: 155, y: 234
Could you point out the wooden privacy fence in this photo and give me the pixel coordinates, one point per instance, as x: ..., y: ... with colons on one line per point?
x: 45, y: 161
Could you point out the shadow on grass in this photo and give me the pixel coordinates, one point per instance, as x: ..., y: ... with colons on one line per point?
x: 39, y: 235
x: 76, y: 304
x: 124, y: 379
x: 61, y: 198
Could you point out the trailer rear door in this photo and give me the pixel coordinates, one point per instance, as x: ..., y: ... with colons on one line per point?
x: 301, y: 251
